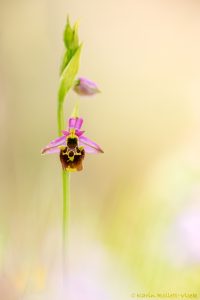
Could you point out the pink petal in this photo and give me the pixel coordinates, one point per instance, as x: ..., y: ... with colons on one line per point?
x: 65, y: 132
x: 79, y: 132
x: 75, y: 123
x: 52, y: 146
x: 89, y: 146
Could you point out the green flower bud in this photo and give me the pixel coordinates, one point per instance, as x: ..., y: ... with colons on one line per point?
x: 68, y: 34
x: 71, y: 38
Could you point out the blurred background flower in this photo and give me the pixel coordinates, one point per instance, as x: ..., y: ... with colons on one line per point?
x: 135, y: 210
x: 184, y: 234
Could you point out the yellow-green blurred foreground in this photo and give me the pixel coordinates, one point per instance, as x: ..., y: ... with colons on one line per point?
x: 135, y: 210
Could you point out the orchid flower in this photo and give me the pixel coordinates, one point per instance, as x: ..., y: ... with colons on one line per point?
x: 85, y: 87
x: 72, y: 146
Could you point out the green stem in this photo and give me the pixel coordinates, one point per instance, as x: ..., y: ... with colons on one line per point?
x: 66, y: 213
x: 60, y: 117
x: 66, y: 190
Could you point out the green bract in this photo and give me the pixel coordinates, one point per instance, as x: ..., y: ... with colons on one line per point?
x: 68, y: 75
